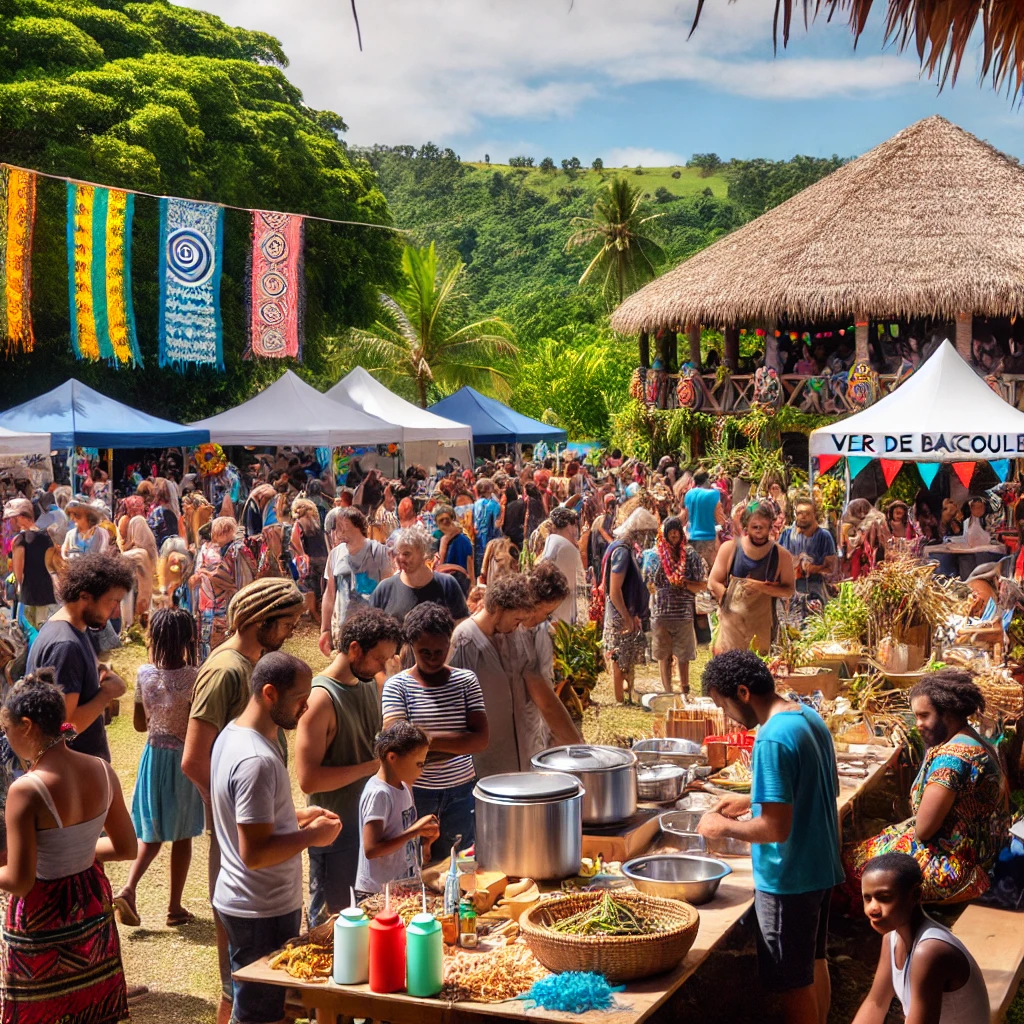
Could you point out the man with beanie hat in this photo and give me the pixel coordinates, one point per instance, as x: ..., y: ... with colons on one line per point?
x: 261, y: 617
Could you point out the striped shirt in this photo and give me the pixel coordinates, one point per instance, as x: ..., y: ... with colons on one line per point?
x: 444, y: 708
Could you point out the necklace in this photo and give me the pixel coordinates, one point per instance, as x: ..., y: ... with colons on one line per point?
x: 33, y: 763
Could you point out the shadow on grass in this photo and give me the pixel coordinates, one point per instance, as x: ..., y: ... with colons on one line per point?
x: 173, y: 1008
x: 200, y: 932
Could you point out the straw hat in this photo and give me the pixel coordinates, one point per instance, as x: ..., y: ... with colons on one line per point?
x: 639, y: 521
x: 84, y: 507
x: 18, y: 507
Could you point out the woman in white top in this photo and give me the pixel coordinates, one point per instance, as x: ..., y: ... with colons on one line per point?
x: 65, y: 817
x: 922, y: 962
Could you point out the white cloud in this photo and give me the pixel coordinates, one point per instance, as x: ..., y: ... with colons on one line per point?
x: 438, y: 69
x: 630, y: 156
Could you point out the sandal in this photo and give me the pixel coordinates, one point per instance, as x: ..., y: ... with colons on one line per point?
x: 126, y: 912
x: 177, y: 920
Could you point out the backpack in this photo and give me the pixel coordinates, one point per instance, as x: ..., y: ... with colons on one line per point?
x: 634, y: 590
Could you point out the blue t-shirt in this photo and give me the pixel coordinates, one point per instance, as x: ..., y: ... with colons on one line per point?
x: 818, y: 546
x: 459, y: 551
x: 485, y: 516
x: 795, y: 763
x: 701, y: 503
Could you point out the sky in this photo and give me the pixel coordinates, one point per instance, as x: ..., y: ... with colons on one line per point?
x: 616, y: 79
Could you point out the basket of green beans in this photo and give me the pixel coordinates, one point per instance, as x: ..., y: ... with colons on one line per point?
x: 623, y: 935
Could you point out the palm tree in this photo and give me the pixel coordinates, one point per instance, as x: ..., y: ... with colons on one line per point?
x: 420, y: 336
x: 628, y: 254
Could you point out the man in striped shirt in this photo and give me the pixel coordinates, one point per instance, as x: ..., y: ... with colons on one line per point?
x: 448, y: 705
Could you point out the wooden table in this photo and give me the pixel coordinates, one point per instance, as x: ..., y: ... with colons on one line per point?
x: 852, y: 789
x: 734, y: 898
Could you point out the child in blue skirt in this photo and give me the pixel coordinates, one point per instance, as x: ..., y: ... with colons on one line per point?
x: 166, y: 807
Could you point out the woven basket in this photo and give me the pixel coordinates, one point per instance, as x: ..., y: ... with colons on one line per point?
x: 618, y: 957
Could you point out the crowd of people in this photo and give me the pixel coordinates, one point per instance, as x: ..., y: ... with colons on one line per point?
x: 435, y: 598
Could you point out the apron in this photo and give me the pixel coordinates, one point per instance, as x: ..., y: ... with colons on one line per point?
x: 746, y: 616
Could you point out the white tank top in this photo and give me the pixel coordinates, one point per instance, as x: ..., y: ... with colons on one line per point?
x: 967, y: 1005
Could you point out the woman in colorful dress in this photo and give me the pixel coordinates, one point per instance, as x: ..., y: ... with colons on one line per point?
x: 66, y: 817
x: 959, y: 797
x: 85, y: 536
x: 904, y: 536
x: 223, y: 566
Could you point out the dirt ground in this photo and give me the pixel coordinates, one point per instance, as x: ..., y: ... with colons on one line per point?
x: 179, y: 965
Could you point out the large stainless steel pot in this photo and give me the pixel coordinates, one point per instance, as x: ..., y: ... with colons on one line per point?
x: 530, y: 824
x: 608, y: 775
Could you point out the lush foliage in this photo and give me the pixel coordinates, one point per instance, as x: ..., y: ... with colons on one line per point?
x: 421, y: 339
x: 170, y: 100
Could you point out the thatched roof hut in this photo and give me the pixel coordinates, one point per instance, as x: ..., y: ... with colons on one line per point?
x: 929, y: 223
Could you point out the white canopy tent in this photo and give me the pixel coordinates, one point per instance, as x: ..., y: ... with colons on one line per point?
x: 427, y: 439
x: 13, y: 442
x: 290, y: 411
x: 944, y: 413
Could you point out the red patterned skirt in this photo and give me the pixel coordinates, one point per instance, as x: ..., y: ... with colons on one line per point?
x: 62, y: 955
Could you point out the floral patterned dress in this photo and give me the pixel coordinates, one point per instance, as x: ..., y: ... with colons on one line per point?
x: 955, y: 862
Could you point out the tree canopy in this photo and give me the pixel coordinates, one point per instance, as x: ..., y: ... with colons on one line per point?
x: 169, y: 100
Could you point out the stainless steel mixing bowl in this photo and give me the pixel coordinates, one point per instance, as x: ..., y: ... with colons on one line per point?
x: 677, y: 876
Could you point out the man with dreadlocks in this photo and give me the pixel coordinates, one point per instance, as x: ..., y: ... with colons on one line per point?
x: 261, y: 617
x: 167, y: 807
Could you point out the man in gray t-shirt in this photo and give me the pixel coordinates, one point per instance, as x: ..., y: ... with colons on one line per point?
x: 258, y: 894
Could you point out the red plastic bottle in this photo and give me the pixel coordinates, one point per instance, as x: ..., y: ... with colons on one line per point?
x: 387, y: 953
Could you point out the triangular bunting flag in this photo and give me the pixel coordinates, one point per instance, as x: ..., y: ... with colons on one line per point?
x: 890, y: 467
x: 826, y: 462
x: 1001, y: 468
x: 964, y: 470
x: 856, y: 464
x: 929, y: 471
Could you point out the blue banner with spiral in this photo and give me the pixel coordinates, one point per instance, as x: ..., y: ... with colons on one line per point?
x: 191, y: 260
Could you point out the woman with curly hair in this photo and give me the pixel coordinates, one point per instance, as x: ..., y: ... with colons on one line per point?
x: 223, y: 566
x: 959, y: 796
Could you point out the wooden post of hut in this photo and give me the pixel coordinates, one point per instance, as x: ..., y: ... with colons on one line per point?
x: 645, y: 350
x: 863, y: 329
x: 731, y: 355
x: 693, y: 337
x: 964, y: 334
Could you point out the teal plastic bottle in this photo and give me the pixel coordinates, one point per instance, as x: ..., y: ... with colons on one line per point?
x: 351, y: 947
x: 425, y: 952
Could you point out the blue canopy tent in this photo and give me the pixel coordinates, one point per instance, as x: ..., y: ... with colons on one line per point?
x: 494, y: 423
x: 76, y: 416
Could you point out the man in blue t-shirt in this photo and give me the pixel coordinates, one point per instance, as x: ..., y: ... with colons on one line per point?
x: 486, y: 521
x: 794, y: 834
x: 814, y: 554
x: 703, y: 512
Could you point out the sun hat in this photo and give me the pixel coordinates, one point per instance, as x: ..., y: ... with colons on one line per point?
x: 638, y: 521
x: 18, y: 507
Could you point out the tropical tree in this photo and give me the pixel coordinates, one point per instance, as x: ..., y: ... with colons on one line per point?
x: 421, y: 337
x: 628, y: 254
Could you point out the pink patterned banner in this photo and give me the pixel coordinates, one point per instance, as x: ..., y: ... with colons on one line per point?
x: 276, y: 286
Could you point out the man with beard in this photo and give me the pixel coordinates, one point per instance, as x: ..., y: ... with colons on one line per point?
x: 261, y: 617
x: 258, y: 894
x: 91, y: 588
x: 794, y: 834
x: 334, y: 749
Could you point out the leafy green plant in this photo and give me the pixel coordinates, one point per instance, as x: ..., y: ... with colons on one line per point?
x: 578, y: 662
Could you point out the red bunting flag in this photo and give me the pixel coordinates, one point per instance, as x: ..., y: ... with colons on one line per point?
x: 826, y: 462
x: 964, y: 470
x: 890, y: 468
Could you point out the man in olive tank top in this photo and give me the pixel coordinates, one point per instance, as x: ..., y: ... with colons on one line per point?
x: 334, y: 749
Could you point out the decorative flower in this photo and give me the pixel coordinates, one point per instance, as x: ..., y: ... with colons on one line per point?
x: 211, y: 460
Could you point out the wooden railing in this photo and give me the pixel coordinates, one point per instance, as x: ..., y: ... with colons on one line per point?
x: 735, y: 393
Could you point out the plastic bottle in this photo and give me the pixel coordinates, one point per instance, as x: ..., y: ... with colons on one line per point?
x: 467, y: 924
x: 352, y: 946
x: 426, y: 956
x: 387, y: 950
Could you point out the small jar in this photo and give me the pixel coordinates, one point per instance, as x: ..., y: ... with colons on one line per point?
x: 450, y: 929
x: 467, y: 924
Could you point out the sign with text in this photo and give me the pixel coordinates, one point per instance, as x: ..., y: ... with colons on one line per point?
x: 927, y: 447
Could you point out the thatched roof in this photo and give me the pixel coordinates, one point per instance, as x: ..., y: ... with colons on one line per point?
x: 929, y: 223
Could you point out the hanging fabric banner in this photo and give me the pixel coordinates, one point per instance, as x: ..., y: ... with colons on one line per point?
x: 856, y: 463
x: 1001, y: 468
x: 826, y: 462
x: 275, y: 286
x: 890, y: 468
x: 99, y: 233
x: 17, y: 219
x: 191, y: 260
x: 964, y: 471
x: 929, y: 471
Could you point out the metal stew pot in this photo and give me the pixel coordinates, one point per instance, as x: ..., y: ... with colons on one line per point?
x: 608, y: 775
x: 530, y: 824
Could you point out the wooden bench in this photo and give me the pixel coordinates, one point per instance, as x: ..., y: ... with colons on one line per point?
x: 995, y: 939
